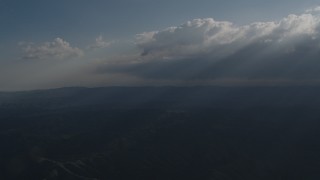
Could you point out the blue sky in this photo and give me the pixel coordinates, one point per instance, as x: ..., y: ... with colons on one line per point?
x: 81, y: 19
x: 84, y: 35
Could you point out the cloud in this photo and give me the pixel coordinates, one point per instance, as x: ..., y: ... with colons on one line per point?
x: 313, y: 10
x: 206, y: 49
x: 100, y: 43
x: 208, y: 35
x: 57, y: 49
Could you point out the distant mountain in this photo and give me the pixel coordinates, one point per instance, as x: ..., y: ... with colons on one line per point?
x: 165, y: 97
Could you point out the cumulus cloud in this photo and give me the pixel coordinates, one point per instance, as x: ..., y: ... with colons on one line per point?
x: 100, y: 43
x: 209, y: 49
x: 57, y: 49
x: 208, y: 35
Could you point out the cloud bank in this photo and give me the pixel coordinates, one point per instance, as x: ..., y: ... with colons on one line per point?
x: 207, y: 36
x: 206, y: 49
x: 57, y: 49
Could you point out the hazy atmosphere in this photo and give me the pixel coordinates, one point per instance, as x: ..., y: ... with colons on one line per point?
x: 50, y: 44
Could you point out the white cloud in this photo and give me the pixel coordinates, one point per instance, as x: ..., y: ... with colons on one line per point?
x: 313, y: 10
x: 100, y: 43
x: 208, y: 35
x: 206, y: 50
x: 57, y: 49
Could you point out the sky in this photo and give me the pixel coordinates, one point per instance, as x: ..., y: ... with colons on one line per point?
x: 93, y: 43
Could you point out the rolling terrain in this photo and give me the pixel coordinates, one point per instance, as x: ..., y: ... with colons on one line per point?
x: 117, y: 133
